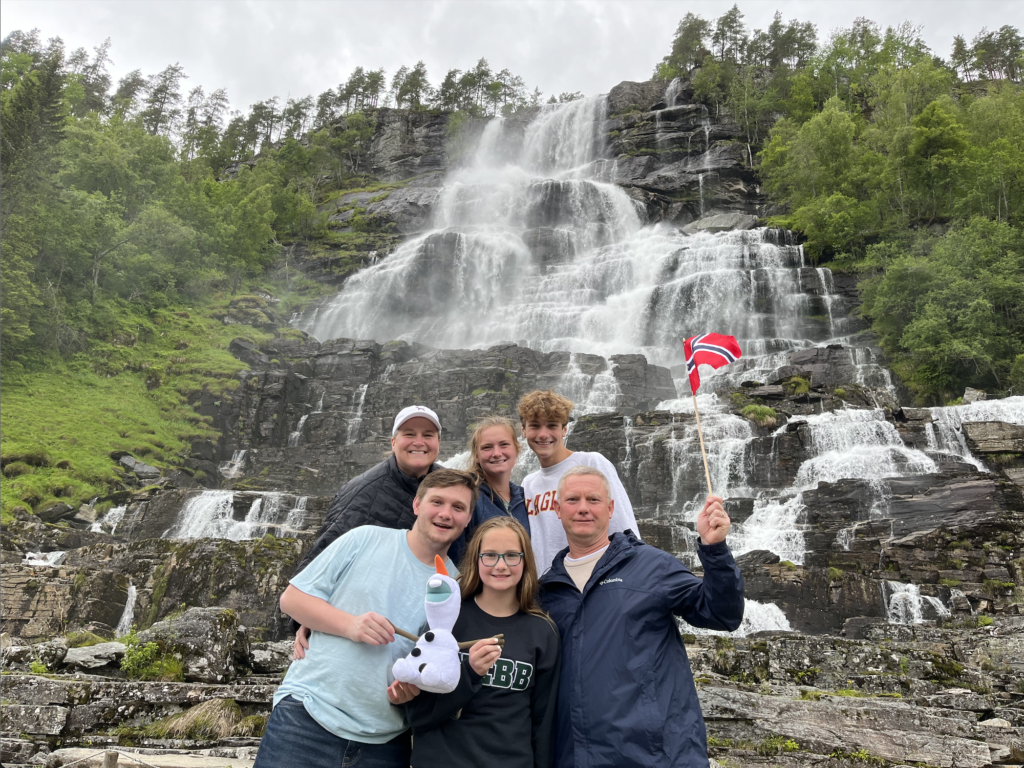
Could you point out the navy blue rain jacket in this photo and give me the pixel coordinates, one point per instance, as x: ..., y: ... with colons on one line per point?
x: 489, y: 505
x: 626, y: 696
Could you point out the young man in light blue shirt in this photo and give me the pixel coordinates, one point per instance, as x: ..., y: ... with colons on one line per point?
x: 335, y: 706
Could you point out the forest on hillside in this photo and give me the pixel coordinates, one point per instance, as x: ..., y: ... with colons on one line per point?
x: 131, y: 208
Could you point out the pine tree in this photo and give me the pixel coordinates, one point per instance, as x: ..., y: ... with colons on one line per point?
x: 162, y: 106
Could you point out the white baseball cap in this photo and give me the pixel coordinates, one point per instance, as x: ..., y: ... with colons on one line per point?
x: 412, y: 412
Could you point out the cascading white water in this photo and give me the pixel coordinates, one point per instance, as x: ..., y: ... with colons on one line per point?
x: 562, y: 261
x: 849, y: 443
x: 294, y: 437
x: 945, y: 433
x: 352, y: 431
x: 672, y: 90
x: 904, y: 603
x: 210, y: 515
x: 44, y: 559
x: 110, y: 521
x: 124, y: 625
x: 591, y: 393
x: 757, y: 617
x: 297, y: 517
x: 856, y: 443
x: 233, y: 468
x: 844, y: 539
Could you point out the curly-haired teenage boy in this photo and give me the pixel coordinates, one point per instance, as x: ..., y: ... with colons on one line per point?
x: 545, y: 418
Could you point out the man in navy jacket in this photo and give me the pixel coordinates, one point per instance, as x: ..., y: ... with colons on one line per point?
x: 626, y: 696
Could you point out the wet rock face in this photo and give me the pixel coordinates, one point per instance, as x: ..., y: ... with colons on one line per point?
x: 676, y: 158
x: 40, y: 602
x: 345, y: 393
x: 90, y: 591
x: 407, y: 143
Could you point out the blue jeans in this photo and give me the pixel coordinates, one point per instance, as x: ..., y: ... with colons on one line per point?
x: 293, y: 739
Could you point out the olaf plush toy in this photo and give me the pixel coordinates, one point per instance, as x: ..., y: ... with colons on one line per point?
x: 433, y: 665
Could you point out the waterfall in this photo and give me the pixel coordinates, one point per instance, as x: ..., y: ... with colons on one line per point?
x: 757, y: 617
x: 44, y: 559
x: 904, y: 603
x: 530, y: 241
x: 856, y: 443
x: 211, y: 515
x: 671, y: 91
x: 294, y: 437
x: 297, y: 517
x: 591, y: 393
x: 945, y: 433
x: 352, y: 432
x: 845, y: 538
x: 562, y: 261
x: 208, y: 514
x: 772, y: 526
x: 110, y: 520
x: 124, y: 626
x: 234, y: 468
x: 458, y: 461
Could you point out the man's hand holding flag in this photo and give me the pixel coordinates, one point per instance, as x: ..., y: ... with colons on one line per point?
x: 715, y: 350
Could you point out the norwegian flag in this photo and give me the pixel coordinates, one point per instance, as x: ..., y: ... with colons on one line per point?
x: 712, y: 349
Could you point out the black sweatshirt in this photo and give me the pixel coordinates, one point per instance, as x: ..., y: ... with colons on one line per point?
x: 507, y: 717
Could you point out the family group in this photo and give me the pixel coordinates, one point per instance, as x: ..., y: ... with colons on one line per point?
x: 581, y: 664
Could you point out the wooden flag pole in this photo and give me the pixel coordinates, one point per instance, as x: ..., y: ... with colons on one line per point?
x: 700, y: 433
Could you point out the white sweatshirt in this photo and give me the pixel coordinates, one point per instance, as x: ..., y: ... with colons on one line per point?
x: 541, y: 487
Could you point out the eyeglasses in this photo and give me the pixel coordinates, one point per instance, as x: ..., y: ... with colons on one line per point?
x: 490, y: 559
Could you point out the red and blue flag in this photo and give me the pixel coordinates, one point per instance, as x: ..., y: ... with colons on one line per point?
x: 712, y: 349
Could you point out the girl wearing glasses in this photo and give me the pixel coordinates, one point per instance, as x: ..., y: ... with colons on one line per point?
x: 503, y: 711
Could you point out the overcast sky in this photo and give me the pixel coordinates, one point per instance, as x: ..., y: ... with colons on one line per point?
x: 258, y: 49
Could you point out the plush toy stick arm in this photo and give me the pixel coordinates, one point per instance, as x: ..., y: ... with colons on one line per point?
x: 471, y: 643
x: 406, y: 635
x: 462, y: 646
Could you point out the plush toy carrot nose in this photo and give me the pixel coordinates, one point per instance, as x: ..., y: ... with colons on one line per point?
x: 439, y: 565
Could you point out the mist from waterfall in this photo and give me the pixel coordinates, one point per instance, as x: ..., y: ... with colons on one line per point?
x: 531, y: 245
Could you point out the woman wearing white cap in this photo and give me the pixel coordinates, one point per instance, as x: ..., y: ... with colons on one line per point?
x: 383, y: 494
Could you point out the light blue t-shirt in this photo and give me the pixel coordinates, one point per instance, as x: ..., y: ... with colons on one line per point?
x: 343, y: 684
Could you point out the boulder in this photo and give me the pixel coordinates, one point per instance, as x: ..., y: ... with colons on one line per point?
x: 142, y: 470
x: 34, y: 720
x: 247, y: 352
x: 721, y: 222
x: 974, y: 395
x: 210, y: 642
x: 16, y: 657
x: 51, y: 653
x: 749, y: 560
x: 271, y: 658
x: 888, y: 729
x: 55, y: 512
x: 994, y: 437
x: 631, y: 96
x: 94, y: 657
